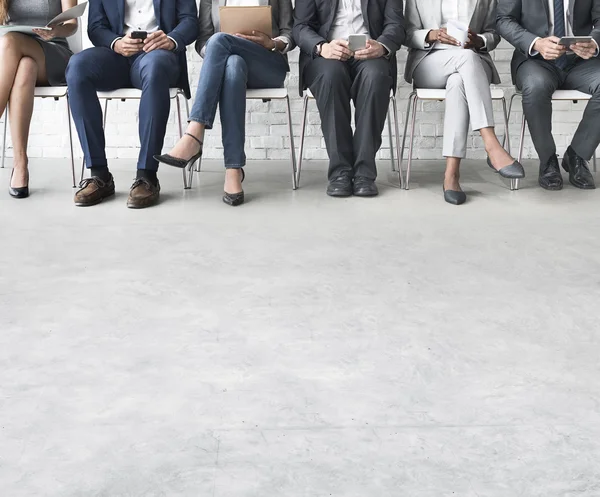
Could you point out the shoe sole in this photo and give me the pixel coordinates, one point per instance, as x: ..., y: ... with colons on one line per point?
x: 85, y: 204
x: 366, y: 195
x: 145, y: 205
x: 339, y: 195
x: 550, y: 188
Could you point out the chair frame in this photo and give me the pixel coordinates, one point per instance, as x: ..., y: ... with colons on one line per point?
x: 519, y: 94
x: 267, y: 95
x: 115, y: 95
x: 56, y: 98
x: 411, y: 115
x: 394, y: 157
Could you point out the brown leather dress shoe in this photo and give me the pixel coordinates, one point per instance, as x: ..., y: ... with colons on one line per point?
x: 93, y: 190
x: 143, y: 194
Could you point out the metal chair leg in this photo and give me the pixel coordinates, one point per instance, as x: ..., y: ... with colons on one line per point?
x: 186, y: 185
x: 521, y: 145
x: 506, y: 140
x: 397, y: 137
x: 408, y: 109
x: 302, y: 135
x: 71, y: 142
x: 4, y: 140
x: 389, y: 121
x: 292, y: 146
x: 412, y: 140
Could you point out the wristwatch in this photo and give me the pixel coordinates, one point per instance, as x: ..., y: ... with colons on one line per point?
x: 318, y: 48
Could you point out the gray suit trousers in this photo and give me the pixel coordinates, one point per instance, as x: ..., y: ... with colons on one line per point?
x: 466, y: 79
x: 538, y: 79
x: 334, y: 84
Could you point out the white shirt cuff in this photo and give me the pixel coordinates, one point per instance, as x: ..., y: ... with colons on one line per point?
x: 532, y: 52
x: 597, y: 48
x: 285, y: 40
x: 112, y: 45
x: 176, y: 46
x: 484, y: 40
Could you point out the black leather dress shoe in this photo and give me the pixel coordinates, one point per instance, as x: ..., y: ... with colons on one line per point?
x: 579, y: 172
x: 340, y: 186
x: 364, y: 187
x: 550, y: 177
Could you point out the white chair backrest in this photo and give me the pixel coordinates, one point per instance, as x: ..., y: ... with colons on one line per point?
x: 76, y: 41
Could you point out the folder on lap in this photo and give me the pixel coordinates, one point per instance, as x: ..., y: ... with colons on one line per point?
x: 244, y: 20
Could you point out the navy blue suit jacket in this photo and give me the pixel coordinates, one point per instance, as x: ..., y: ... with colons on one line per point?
x: 177, y: 18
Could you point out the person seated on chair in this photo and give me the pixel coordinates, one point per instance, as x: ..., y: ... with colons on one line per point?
x: 437, y: 60
x: 540, y: 66
x: 336, y: 75
x: 118, y: 60
x: 27, y: 61
x: 232, y: 63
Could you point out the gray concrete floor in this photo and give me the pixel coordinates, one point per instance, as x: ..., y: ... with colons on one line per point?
x: 300, y: 345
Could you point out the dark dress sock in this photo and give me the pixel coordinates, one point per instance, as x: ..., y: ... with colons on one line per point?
x: 149, y: 175
x: 100, y: 172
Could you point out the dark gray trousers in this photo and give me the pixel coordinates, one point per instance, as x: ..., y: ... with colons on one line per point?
x: 334, y: 84
x: 538, y: 79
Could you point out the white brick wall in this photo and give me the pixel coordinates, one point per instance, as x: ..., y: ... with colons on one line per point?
x: 267, y: 134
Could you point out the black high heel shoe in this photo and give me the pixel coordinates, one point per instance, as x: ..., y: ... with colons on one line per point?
x: 21, y: 192
x: 169, y: 160
x: 235, y: 199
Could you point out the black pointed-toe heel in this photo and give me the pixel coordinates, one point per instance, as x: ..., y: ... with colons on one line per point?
x: 513, y: 171
x: 21, y: 192
x: 169, y: 160
x: 235, y: 199
x: 454, y: 197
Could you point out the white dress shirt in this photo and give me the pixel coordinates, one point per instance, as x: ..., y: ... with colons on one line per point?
x: 457, y: 10
x: 140, y: 16
x: 568, y: 27
x: 349, y: 20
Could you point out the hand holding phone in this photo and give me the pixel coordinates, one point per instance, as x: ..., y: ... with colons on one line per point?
x: 128, y: 46
x: 357, y: 42
x: 139, y: 35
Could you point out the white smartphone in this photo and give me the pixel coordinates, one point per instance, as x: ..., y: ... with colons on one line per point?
x: 567, y: 41
x: 357, y: 42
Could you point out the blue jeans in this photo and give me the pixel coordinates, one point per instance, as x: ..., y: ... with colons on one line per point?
x: 232, y: 64
x: 102, y: 69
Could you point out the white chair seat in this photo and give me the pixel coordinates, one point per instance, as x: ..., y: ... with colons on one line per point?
x: 429, y: 94
x: 50, y: 91
x: 309, y: 94
x: 131, y: 93
x: 570, y: 95
x: 267, y: 94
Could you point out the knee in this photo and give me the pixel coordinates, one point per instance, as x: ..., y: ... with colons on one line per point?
x: 10, y: 43
x: 378, y: 79
x: 537, y: 87
x: 26, y: 73
x: 236, y: 68
x: 77, y: 70
x: 155, y: 68
x: 218, y: 39
x: 334, y: 74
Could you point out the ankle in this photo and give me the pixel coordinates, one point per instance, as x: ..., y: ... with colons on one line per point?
x: 147, y: 174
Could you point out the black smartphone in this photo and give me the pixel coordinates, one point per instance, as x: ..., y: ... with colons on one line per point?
x: 139, y: 35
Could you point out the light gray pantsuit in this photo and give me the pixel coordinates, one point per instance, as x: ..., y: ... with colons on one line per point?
x: 466, y: 79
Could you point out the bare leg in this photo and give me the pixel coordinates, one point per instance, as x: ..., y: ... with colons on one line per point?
x: 13, y: 47
x: 452, y: 176
x: 22, y: 65
x: 21, y: 110
x: 233, y: 180
x: 498, y: 155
